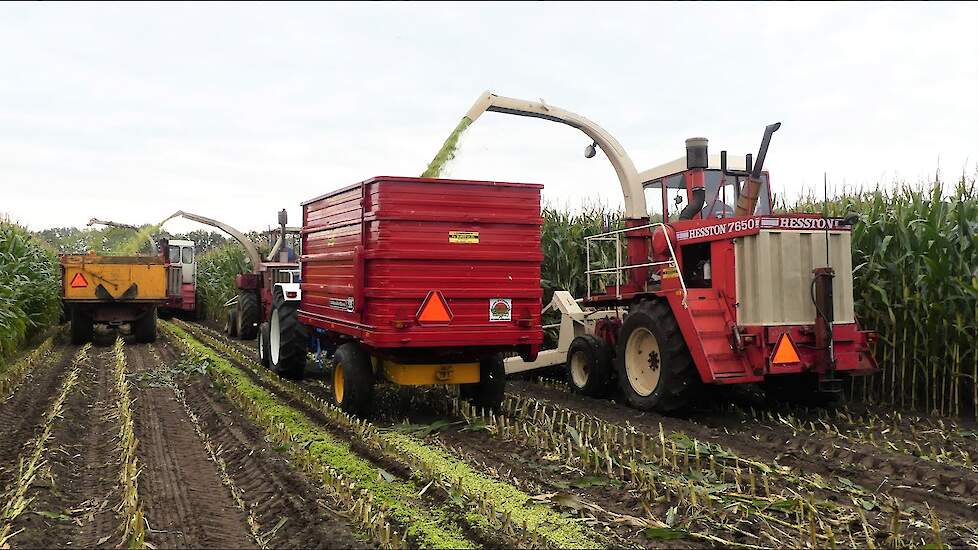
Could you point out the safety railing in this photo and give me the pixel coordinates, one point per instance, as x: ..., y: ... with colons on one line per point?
x: 619, y: 270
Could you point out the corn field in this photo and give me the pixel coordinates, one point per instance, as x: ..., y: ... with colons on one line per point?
x: 215, y: 277
x: 915, y: 258
x: 29, y: 287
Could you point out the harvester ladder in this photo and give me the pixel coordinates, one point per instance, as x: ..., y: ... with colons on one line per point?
x: 618, y: 270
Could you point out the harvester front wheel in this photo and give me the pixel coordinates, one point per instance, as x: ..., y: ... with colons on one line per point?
x: 655, y: 369
x: 249, y: 315
x: 353, y: 379
x: 490, y: 390
x: 231, y: 328
x: 144, y: 328
x: 82, y: 327
x: 589, y: 365
x: 263, y: 331
x: 286, y: 338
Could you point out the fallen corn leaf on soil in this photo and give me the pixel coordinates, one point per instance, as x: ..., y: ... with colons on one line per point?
x: 189, y: 442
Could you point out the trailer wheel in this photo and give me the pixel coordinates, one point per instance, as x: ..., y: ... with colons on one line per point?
x: 490, y: 390
x: 353, y: 379
x: 589, y: 366
x: 144, y: 328
x: 82, y: 327
x: 286, y: 338
x: 655, y: 369
x: 263, y: 345
x: 249, y: 315
x: 231, y: 328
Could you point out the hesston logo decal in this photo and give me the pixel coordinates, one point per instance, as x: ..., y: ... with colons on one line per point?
x: 750, y: 224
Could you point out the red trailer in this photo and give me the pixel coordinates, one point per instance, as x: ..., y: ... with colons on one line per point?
x: 414, y: 281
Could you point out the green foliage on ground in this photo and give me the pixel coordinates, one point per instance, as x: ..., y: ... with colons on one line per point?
x: 30, y: 291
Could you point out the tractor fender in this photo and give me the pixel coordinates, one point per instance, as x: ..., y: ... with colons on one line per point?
x: 291, y: 291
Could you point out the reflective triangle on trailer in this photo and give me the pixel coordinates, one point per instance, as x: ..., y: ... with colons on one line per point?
x: 78, y: 281
x: 434, y: 309
x: 785, y: 352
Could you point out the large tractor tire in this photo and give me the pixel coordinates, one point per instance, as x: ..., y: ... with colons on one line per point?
x: 490, y: 390
x: 249, y: 315
x: 263, y: 345
x: 82, y: 327
x: 590, y: 366
x: 286, y: 338
x: 655, y: 369
x: 231, y: 328
x: 144, y: 328
x: 353, y: 379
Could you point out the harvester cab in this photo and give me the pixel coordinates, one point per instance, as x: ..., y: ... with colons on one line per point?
x: 708, y: 286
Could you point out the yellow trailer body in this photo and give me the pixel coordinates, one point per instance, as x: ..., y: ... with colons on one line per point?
x: 89, y: 277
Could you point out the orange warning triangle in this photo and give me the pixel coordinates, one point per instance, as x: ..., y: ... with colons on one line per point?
x: 434, y: 309
x: 78, y: 281
x: 785, y: 351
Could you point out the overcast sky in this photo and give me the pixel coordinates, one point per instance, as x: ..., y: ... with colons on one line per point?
x: 132, y: 111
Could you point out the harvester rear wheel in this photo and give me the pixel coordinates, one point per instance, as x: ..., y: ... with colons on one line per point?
x: 144, y: 328
x: 249, y: 315
x: 82, y: 327
x: 490, y: 390
x: 286, y: 338
x: 263, y: 345
x: 655, y: 369
x: 353, y: 379
x: 589, y: 365
x: 231, y: 328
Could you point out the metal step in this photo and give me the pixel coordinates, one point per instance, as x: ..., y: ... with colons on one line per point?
x: 830, y: 384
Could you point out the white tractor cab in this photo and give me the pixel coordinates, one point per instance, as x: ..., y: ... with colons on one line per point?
x: 181, y: 277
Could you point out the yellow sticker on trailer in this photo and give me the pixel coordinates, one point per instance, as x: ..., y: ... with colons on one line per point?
x: 463, y: 237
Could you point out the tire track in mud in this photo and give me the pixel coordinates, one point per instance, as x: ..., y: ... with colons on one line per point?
x: 908, y: 479
x: 271, y: 488
x: 78, y: 488
x: 22, y: 412
x: 184, y: 501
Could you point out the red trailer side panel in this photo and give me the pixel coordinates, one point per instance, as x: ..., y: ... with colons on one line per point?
x: 374, y: 251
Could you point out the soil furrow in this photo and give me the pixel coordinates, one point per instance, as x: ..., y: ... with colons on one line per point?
x: 184, y: 501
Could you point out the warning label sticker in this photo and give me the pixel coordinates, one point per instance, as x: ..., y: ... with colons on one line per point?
x: 463, y: 237
x: 501, y: 309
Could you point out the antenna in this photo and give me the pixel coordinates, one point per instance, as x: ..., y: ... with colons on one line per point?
x: 825, y: 214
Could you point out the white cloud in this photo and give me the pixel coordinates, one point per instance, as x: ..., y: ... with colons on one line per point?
x: 236, y: 110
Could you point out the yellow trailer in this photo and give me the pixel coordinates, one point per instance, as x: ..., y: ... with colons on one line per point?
x: 113, y: 290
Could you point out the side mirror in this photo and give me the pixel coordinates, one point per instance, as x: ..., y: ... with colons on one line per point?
x: 283, y: 217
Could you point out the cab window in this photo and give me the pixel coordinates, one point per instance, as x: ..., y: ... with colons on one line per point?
x: 173, y: 254
x: 188, y: 255
x: 674, y: 193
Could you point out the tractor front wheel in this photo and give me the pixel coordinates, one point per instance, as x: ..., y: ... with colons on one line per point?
x: 249, y: 315
x: 263, y: 333
x: 286, y: 338
x: 589, y: 366
x: 655, y: 369
x: 353, y: 379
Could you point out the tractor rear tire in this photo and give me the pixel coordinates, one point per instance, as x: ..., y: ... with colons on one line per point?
x: 231, y: 328
x: 263, y: 345
x: 249, y: 315
x: 286, y: 338
x: 144, y: 328
x: 490, y: 390
x: 589, y: 366
x: 82, y: 327
x: 655, y: 369
x: 353, y: 379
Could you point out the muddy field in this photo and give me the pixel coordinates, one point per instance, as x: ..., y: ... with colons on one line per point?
x: 188, y: 442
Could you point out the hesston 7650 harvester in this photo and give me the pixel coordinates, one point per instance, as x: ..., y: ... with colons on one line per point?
x: 722, y: 291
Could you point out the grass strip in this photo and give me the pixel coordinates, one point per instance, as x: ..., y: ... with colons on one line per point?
x: 505, y: 506
x: 373, y: 498
x: 133, y: 527
x: 17, y: 500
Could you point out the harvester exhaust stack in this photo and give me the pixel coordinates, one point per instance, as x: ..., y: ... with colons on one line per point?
x: 747, y: 199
